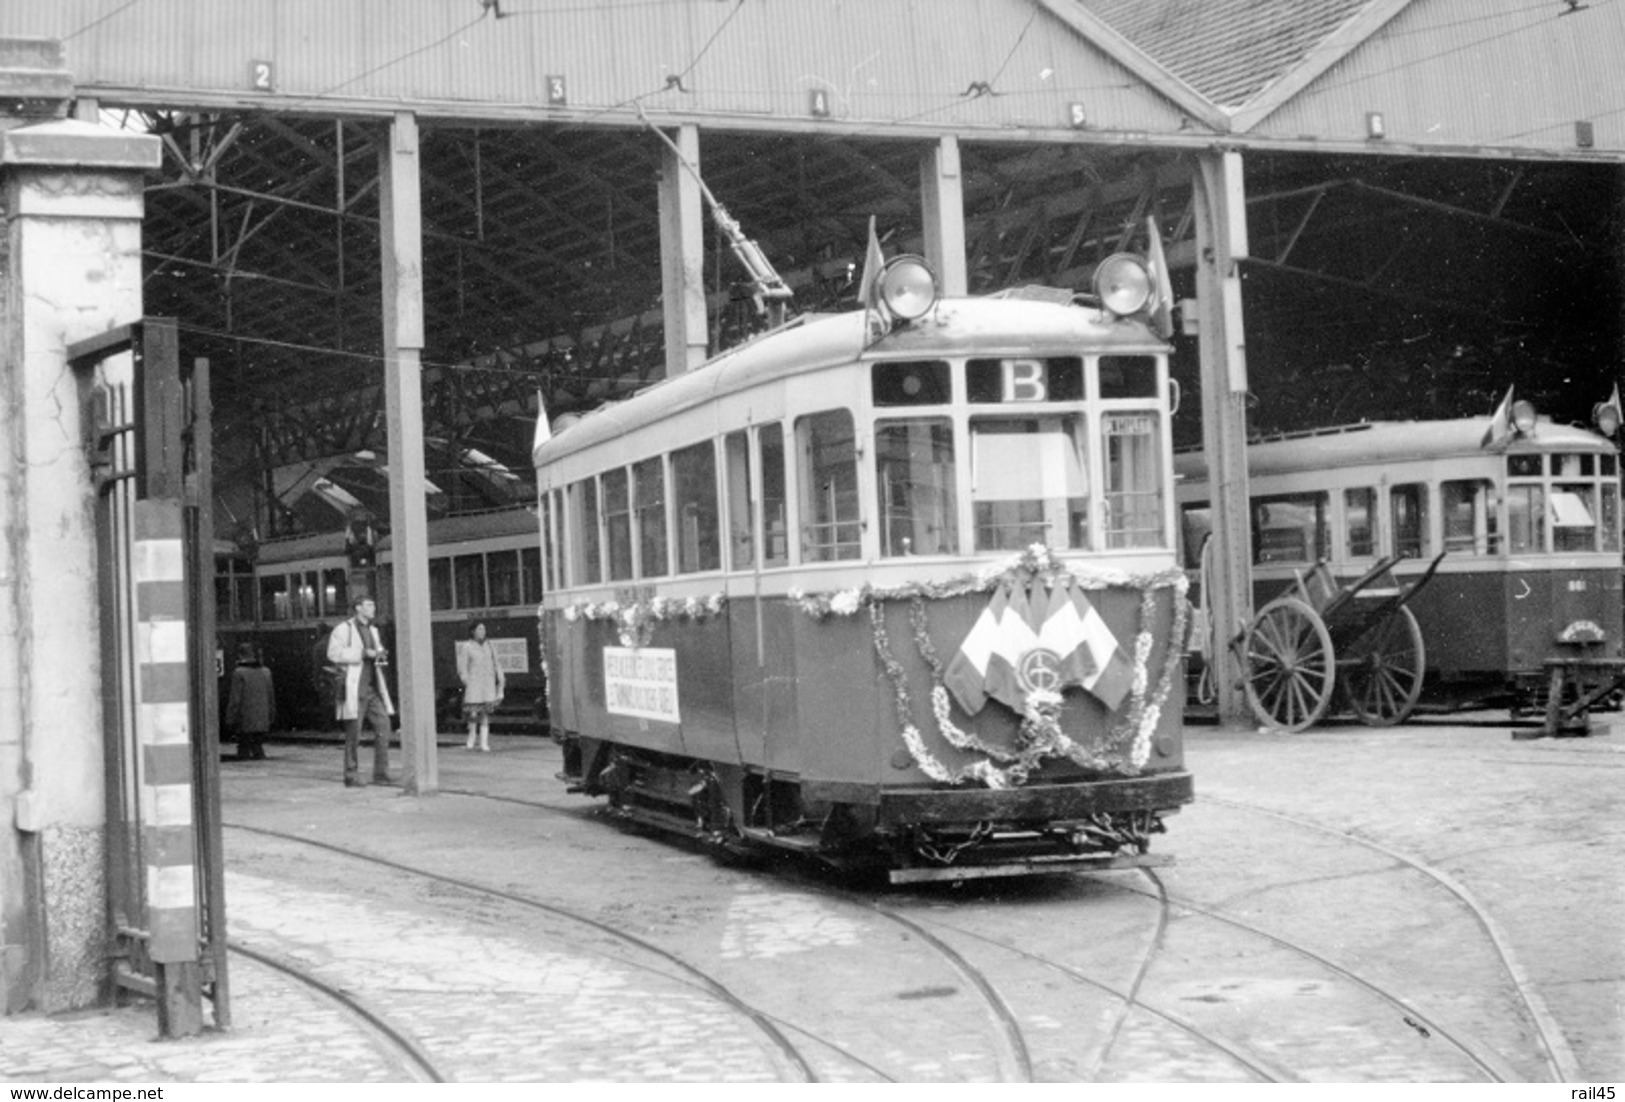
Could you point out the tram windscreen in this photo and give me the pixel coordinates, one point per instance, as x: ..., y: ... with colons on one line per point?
x: 1029, y: 482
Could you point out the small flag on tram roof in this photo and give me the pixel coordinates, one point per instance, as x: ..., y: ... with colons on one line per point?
x: 873, y: 261
x: 544, y: 431
x: 1500, y: 430
x: 1162, y: 314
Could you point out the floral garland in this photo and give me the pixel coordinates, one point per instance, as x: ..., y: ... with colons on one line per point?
x: 1040, y: 735
x: 635, y: 620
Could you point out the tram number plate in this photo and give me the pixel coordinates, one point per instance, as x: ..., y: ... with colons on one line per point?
x: 641, y: 682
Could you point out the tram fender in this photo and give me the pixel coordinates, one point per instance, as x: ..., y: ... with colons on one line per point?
x: 1034, y: 803
x: 840, y: 792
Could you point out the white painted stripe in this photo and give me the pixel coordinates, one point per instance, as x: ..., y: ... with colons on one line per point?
x: 160, y: 641
x: 166, y: 805
x: 158, y: 561
x: 171, y: 887
x: 165, y: 724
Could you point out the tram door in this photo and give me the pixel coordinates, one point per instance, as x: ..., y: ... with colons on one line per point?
x: 149, y: 445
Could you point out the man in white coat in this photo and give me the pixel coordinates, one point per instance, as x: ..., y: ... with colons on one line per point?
x: 355, y: 647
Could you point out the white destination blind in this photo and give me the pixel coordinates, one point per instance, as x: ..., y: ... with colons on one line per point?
x: 641, y: 682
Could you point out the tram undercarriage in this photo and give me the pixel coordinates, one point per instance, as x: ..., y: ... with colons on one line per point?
x: 914, y: 833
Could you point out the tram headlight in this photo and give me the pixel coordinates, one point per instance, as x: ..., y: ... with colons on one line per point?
x: 908, y: 287
x: 1605, y: 415
x: 1123, y: 284
x: 1523, y: 417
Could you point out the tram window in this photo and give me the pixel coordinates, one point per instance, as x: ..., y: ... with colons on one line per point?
x: 775, y: 525
x: 1290, y: 528
x: 1526, y: 518
x: 586, y: 567
x: 440, y: 590
x: 1133, y: 478
x: 468, y: 577
x: 304, y: 595
x: 741, y: 505
x: 1610, y: 512
x: 335, y: 593
x: 1407, y: 506
x: 827, y: 445
x: 694, y: 485
x: 1608, y: 465
x: 1056, y: 379
x: 1573, y: 465
x: 1525, y: 466
x: 618, y: 524
x: 1574, y: 520
x: 530, y: 573
x: 502, y: 573
x: 649, y: 503
x: 911, y: 383
x: 1128, y: 377
x: 545, y: 514
x: 914, y: 461
x: 1360, y: 519
x: 1029, y: 482
x: 1195, y: 526
x: 274, y: 603
x: 1469, y: 517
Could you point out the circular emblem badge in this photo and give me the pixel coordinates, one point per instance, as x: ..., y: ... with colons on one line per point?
x: 1039, y: 671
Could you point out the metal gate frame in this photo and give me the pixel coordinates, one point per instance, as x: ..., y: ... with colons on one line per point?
x: 150, y: 450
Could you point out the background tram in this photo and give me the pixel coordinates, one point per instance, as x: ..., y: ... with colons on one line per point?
x: 1527, y: 519
x: 893, y: 587
x: 483, y: 566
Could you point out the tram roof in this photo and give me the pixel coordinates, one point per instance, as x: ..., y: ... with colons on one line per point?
x: 1394, y: 441
x: 810, y: 343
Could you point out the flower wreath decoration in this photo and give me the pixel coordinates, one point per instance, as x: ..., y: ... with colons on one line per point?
x: 635, y: 620
x: 1125, y: 748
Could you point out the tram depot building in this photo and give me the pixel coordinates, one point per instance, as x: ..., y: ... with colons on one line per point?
x: 280, y: 272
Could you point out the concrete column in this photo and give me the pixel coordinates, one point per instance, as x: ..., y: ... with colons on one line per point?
x: 73, y: 206
x: 1221, y: 242
x: 942, y: 194
x: 401, y: 249
x: 682, y: 253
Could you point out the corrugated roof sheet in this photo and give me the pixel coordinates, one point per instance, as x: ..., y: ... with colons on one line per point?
x: 1229, y: 50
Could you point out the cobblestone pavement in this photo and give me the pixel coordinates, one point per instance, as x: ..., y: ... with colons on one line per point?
x: 497, y: 998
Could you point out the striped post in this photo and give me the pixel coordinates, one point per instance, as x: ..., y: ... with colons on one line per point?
x: 163, y: 731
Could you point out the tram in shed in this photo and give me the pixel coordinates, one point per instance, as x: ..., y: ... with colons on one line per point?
x: 483, y: 567
x: 1525, y: 513
x: 894, y: 588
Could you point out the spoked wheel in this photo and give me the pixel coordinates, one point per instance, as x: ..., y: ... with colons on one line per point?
x: 1290, y: 668
x: 1381, y: 671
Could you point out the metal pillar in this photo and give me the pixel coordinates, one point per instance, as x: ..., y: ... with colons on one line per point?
x: 682, y: 253
x: 1221, y: 244
x: 942, y: 193
x: 401, y: 252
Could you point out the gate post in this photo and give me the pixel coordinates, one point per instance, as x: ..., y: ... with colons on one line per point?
x: 72, y: 268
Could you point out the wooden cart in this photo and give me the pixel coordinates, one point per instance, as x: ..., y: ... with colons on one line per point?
x: 1357, y: 640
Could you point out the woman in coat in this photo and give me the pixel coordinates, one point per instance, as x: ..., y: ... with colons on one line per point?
x: 483, y: 685
x: 251, y: 704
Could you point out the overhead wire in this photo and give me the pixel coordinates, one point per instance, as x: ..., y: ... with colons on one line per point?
x: 99, y: 20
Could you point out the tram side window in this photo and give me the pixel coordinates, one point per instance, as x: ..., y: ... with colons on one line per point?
x: 694, y: 485
x: 1133, y: 476
x: 1574, y: 517
x: 1360, y: 517
x: 649, y: 490
x: 440, y: 589
x: 1526, y: 518
x: 1610, y: 511
x: 549, y: 540
x: 1469, y: 517
x: 335, y: 592
x: 618, y: 524
x: 530, y: 573
x: 1195, y: 526
x: 775, y: 522
x: 468, y: 574
x: 827, y: 445
x: 1290, y: 528
x: 586, y: 567
x: 233, y: 590
x: 1407, y: 507
x: 741, y: 505
x: 502, y: 573
x: 914, y: 461
x: 274, y: 601
x: 1029, y: 482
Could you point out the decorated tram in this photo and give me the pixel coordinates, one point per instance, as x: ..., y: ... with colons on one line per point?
x: 1513, y: 523
x: 894, y: 588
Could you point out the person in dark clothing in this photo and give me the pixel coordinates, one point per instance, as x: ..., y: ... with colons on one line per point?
x: 251, y: 704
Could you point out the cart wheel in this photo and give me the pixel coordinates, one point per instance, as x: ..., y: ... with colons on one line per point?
x: 1382, y: 670
x: 1290, y: 670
